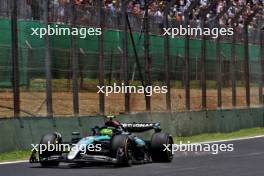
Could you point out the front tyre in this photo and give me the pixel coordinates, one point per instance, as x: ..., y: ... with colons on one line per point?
x: 49, y: 139
x: 157, y: 148
x: 121, y: 147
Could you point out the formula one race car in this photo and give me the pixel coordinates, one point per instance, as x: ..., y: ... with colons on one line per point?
x: 112, y: 143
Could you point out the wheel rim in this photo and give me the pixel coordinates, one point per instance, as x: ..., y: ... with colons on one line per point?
x: 128, y: 150
x: 169, y: 153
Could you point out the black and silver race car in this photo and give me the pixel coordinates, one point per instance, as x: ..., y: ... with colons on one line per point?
x: 112, y: 143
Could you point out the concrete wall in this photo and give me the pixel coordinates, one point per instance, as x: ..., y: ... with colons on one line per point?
x: 15, y: 137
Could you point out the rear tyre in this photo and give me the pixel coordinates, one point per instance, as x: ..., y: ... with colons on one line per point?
x: 157, y: 147
x: 121, y: 147
x: 53, y: 138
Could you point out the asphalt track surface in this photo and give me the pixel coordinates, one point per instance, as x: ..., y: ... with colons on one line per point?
x: 247, y: 159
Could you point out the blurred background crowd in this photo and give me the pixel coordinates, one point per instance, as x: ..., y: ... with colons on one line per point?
x: 156, y: 9
x: 59, y: 12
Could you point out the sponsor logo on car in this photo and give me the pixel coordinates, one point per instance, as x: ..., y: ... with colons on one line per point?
x: 137, y: 125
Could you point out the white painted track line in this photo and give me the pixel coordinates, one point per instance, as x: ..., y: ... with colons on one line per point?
x: 208, y: 142
x: 14, y: 162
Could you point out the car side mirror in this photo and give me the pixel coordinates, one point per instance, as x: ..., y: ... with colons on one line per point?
x: 157, y: 127
x: 94, y: 130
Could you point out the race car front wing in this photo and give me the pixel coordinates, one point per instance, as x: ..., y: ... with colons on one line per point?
x: 81, y: 158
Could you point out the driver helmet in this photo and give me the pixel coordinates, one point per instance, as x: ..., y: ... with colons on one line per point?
x: 112, y: 123
x: 106, y: 131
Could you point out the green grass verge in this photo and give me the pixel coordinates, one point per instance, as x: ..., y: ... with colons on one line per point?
x: 13, y: 156
x: 24, y: 155
x: 221, y: 136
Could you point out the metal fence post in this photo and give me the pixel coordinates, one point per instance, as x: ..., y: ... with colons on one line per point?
x: 187, y: 65
x: 15, y: 62
x: 203, y: 60
x: 246, y: 65
x: 74, y: 59
x: 101, y: 57
x: 48, y: 63
x: 125, y: 56
x: 232, y: 67
x: 261, y: 55
x: 167, y: 59
x: 146, y: 55
x: 219, y: 73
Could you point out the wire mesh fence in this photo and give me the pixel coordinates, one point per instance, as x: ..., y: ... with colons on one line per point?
x: 225, y: 68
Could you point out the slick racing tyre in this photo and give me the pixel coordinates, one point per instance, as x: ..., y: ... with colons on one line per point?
x: 121, y: 147
x: 47, y: 139
x: 157, y: 147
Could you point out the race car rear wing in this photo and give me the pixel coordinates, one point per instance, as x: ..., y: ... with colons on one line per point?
x: 141, y: 127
